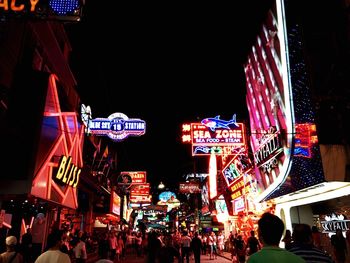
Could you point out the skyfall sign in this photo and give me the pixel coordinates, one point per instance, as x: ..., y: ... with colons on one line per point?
x: 334, y: 222
x: 117, y: 126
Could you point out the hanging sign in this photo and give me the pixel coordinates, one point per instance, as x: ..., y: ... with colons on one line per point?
x: 334, y: 222
x: 117, y: 126
x: 68, y: 173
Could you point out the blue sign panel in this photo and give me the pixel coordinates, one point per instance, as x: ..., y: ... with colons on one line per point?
x: 117, y: 126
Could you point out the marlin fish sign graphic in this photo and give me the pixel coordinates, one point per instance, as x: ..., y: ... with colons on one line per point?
x: 214, y: 123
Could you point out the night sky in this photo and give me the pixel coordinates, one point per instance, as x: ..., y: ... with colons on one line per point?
x: 167, y: 65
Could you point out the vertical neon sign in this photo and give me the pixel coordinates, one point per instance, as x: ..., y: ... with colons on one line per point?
x: 212, y: 176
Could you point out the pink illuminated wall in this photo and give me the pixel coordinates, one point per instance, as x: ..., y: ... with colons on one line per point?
x: 269, y: 104
x: 61, y: 134
x: 280, y: 104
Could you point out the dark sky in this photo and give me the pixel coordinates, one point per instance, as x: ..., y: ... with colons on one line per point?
x: 167, y: 65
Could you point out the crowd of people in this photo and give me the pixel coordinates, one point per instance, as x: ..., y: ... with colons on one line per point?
x: 302, y: 244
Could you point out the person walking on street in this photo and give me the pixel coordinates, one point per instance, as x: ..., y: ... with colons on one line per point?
x: 53, y: 254
x: 185, y: 247
x: 287, y: 239
x: 11, y: 255
x: 196, y: 245
x: 303, y: 245
x: 253, y: 243
x: 338, y: 242
x: 240, y: 249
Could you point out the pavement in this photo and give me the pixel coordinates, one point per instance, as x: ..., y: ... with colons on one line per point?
x: 223, y: 257
x: 225, y: 254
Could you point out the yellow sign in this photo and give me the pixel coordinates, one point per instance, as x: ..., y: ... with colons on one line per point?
x: 67, y: 172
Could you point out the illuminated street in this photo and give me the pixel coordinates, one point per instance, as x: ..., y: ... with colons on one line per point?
x: 128, y: 128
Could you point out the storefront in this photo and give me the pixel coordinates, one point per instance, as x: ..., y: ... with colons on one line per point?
x: 47, y: 197
x: 321, y: 205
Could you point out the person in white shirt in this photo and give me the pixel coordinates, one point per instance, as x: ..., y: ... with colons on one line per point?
x: 53, y: 254
x: 80, y: 250
x: 221, y: 244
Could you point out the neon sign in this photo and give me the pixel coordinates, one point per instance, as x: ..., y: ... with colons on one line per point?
x: 270, y: 147
x: 267, y: 156
x: 62, y: 10
x: 305, y: 139
x: 117, y: 126
x: 334, y: 222
x: 136, y: 177
x: 221, y: 136
x: 16, y: 7
x: 218, y: 150
x: 235, y: 167
x: 67, y: 172
x: 216, y: 123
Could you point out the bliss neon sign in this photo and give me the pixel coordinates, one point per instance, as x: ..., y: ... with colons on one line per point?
x: 67, y: 172
x: 117, y: 126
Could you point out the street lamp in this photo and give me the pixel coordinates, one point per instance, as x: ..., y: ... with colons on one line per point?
x: 161, y: 186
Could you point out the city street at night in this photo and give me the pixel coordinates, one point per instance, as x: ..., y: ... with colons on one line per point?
x: 158, y: 131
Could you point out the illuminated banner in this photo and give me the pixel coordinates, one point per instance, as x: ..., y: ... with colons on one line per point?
x: 140, y: 199
x: 305, y: 139
x: 217, y: 150
x: 136, y: 177
x: 189, y: 188
x: 236, y: 167
x: 140, y: 189
x: 236, y: 188
x: 115, y: 203
x: 276, y: 91
x: 169, y: 199
x: 212, y: 176
x: 238, y: 205
x: 124, y: 181
x: 334, y: 222
x: 117, y: 126
x: 217, y: 123
x: 200, y: 176
x: 67, y: 172
x: 240, y: 188
x: 162, y: 208
x: 215, y: 136
x: 61, y: 10
x: 201, y: 135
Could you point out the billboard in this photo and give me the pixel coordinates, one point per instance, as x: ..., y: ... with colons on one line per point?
x: 189, y: 188
x: 280, y: 108
x: 59, y: 160
x: 215, y: 136
x: 117, y: 126
x: 68, y: 10
x: 115, y: 203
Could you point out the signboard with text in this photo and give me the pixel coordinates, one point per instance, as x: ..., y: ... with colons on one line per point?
x: 69, y: 10
x: 201, y: 135
x: 140, y: 189
x: 115, y: 203
x: 117, y: 126
x: 189, y: 188
x: 221, y: 140
x: 136, y: 177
